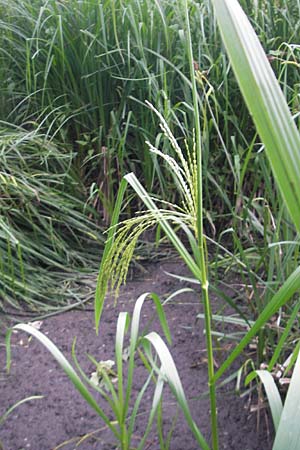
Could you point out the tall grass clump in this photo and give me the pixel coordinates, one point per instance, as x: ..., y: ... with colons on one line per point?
x: 47, y: 240
x: 281, y: 141
x: 84, y: 69
x: 263, y: 239
x: 81, y: 71
x: 81, y: 68
x: 219, y: 147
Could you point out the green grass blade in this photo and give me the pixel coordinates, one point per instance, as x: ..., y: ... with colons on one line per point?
x: 137, y: 314
x: 287, y: 290
x: 100, y: 288
x: 68, y: 369
x: 162, y: 317
x: 174, y: 239
x: 155, y: 404
x: 16, y: 405
x: 169, y: 371
x: 134, y: 335
x: 288, y: 433
x: 283, y: 339
x: 122, y: 325
x: 272, y: 392
x: 264, y: 99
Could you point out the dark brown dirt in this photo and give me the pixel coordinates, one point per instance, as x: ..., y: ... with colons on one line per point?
x: 62, y: 415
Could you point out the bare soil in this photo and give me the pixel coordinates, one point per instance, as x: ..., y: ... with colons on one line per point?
x: 61, y: 419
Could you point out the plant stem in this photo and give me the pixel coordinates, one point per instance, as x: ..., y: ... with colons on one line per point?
x: 210, y: 357
x: 200, y: 236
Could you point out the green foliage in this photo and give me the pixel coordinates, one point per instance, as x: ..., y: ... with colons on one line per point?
x: 16, y: 405
x: 4, y: 416
x: 115, y: 387
x: 44, y: 227
x: 169, y: 371
x: 266, y: 103
x: 82, y: 71
x: 285, y: 417
x: 123, y: 239
x: 79, y: 73
x: 281, y: 139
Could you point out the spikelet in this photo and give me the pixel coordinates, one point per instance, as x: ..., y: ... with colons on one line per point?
x: 179, y: 177
x: 129, y: 231
x: 126, y: 238
x: 184, y: 170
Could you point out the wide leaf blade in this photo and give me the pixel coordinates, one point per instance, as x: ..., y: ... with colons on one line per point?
x: 272, y: 392
x: 264, y: 99
x: 288, y: 433
x: 169, y: 371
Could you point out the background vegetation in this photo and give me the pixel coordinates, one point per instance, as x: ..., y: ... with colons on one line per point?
x: 83, y: 84
x: 74, y: 80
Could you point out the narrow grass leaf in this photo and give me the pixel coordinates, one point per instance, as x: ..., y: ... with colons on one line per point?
x: 155, y: 403
x: 283, y: 339
x: 287, y: 290
x: 134, y: 335
x: 122, y: 325
x: 65, y: 365
x: 16, y: 405
x: 137, y: 314
x: 100, y: 289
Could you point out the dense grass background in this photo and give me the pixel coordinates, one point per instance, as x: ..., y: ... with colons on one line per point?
x: 74, y: 77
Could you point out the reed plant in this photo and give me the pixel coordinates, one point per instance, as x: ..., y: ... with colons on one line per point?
x: 253, y: 166
x: 70, y: 70
x: 73, y: 69
x: 281, y: 141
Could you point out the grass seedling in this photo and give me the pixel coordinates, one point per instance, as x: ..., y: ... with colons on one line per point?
x: 114, y: 384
